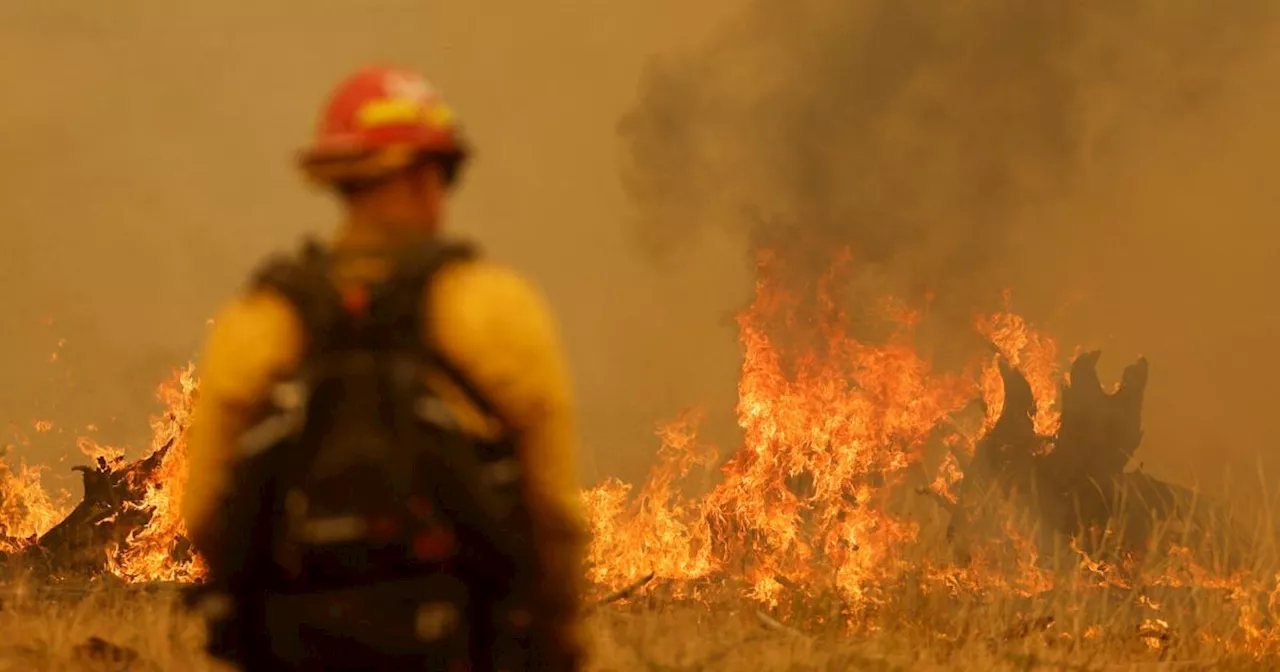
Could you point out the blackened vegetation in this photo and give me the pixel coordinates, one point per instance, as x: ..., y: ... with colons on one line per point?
x: 113, y: 508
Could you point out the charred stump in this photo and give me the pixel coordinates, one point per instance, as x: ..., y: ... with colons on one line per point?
x: 1076, y: 483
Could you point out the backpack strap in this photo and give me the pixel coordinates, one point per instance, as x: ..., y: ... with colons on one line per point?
x: 304, y: 280
x: 406, y: 301
x: 398, y: 306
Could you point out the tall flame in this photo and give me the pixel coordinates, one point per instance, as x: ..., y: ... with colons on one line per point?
x: 830, y: 429
x: 154, y: 553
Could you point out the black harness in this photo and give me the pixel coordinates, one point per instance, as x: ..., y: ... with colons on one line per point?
x: 446, y: 589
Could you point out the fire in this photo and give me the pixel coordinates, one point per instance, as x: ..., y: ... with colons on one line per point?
x: 838, y: 434
x: 831, y: 429
x: 150, y: 554
x: 26, y: 509
x: 1035, y: 354
x: 154, y: 551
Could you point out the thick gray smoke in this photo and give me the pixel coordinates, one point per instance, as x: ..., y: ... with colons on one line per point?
x: 923, y: 134
x: 1110, y: 162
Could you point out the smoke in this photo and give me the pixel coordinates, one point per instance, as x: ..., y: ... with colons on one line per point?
x: 1106, y: 161
x: 921, y: 134
x: 1110, y: 152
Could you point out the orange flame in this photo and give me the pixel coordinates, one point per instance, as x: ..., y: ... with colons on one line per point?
x: 1034, y: 354
x: 832, y: 427
x: 828, y: 434
x: 149, y: 554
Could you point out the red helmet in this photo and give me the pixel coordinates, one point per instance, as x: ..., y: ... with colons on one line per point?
x: 377, y: 121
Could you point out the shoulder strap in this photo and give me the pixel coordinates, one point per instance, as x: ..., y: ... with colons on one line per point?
x: 405, y: 299
x: 303, y: 279
x: 398, y: 305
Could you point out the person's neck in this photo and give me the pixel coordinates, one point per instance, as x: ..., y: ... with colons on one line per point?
x: 358, y: 231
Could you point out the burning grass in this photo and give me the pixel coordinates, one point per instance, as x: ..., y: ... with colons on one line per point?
x: 812, y: 526
x: 829, y: 539
x: 1067, y: 610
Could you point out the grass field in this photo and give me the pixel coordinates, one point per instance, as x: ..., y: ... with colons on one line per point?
x: 1078, y: 626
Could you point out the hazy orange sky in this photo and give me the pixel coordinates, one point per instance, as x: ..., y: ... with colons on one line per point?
x: 1112, y: 167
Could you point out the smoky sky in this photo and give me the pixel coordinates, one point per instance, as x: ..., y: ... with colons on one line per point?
x: 1108, y: 163
x: 917, y: 133
x: 1121, y: 151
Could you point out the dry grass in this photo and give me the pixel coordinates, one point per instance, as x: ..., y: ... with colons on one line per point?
x: 1171, y: 612
x: 143, y: 631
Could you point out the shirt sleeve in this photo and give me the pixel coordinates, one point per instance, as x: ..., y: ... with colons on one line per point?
x: 497, y: 329
x: 254, y: 340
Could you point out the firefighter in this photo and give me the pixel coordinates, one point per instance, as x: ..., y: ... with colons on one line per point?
x: 390, y: 149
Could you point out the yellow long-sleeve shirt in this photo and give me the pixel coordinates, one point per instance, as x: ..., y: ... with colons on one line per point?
x: 487, y: 320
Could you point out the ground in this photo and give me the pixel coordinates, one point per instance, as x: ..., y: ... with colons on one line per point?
x: 116, y: 630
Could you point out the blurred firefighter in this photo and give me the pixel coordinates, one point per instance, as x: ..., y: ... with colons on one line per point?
x: 381, y: 459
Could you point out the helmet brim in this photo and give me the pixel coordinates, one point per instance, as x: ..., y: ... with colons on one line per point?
x: 328, y: 166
